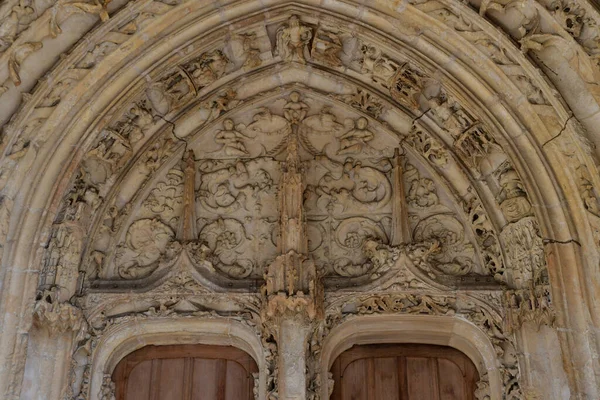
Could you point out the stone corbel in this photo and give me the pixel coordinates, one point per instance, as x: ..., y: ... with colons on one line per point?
x: 57, y: 317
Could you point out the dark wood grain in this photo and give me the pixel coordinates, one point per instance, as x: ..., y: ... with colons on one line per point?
x: 185, y: 372
x: 403, y: 372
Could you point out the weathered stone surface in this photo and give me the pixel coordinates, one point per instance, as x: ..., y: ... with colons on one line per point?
x: 279, y: 175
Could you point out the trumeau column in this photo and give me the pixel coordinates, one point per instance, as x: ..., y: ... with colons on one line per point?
x: 294, y: 295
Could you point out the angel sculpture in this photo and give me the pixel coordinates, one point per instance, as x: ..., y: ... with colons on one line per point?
x: 293, y: 40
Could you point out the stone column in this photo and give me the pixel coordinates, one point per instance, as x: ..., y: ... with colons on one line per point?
x: 293, y: 293
x: 293, y: 337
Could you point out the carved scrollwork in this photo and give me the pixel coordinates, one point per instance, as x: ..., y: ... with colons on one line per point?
x: 145, y: 245
x: 456, y: 257
x: 226, y: 238
x: 357, y: 238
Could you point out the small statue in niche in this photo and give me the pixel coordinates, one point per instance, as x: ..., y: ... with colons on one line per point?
x: 355, y: 140
x: 327, y: 47
x: 293, y: 40
x: 251, y: 50
x: 512, y: 197
x: 231, y: 140
x: 208, y: 68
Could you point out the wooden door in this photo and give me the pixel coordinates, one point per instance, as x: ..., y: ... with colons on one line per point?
x: 185, y: 372
x: 403, y: 372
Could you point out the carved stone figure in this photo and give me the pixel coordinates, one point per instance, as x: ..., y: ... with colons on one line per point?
x: 207, y: 68
x: 512, y: 197
x: 231, y: 140
x: 406, y: 86
x: 326, y: 48
x: 170, y: 91
x: 379, y: 66
x: 295, y: 110
x: 292, y: 41
x: 251, y: 51
x: 356, y: 140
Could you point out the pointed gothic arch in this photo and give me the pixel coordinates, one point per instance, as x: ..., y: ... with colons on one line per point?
x: 471, y: 111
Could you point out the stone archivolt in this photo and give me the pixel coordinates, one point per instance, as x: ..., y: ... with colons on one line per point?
x: 296, y: 173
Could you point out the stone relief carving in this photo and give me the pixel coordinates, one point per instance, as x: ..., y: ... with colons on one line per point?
x: 250, y: 50
x: 146, y: 243
x: 235, y: 139
x: 236, y: 189
x: 107, y: 391
x: 206, y: 68
x: 363, y: 101
x: 292, y: 41
x: 56, y: 316
x: 342, y: 308
x: 63, y: 9
x: 326, y: 47
x: 420, y: 197
x: 223, y: 237
x: 525, y: 259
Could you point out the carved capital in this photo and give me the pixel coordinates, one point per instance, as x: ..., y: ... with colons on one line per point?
x: 56, y: 316
x: 531, y: 304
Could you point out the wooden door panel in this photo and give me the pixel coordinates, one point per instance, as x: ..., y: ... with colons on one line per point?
x: 234, y: 390
x: 449, y: 375
x: 185, y: 373
x: 139, y: 389
x: 386, y: 378
x: 403, y: 372
x: 354, y: 385
x: 204, y: 377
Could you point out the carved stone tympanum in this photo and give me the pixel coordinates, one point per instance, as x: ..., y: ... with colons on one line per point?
x: 275, y: 175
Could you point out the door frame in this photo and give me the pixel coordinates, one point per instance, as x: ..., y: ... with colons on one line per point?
x: 447, y: 331
x: 120, y: 340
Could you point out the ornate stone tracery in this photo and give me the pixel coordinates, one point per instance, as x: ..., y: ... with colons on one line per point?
x: 292, y: 175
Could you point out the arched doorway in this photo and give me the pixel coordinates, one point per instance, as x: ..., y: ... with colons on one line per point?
x: 185, y: 372
x: 403, y: 372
